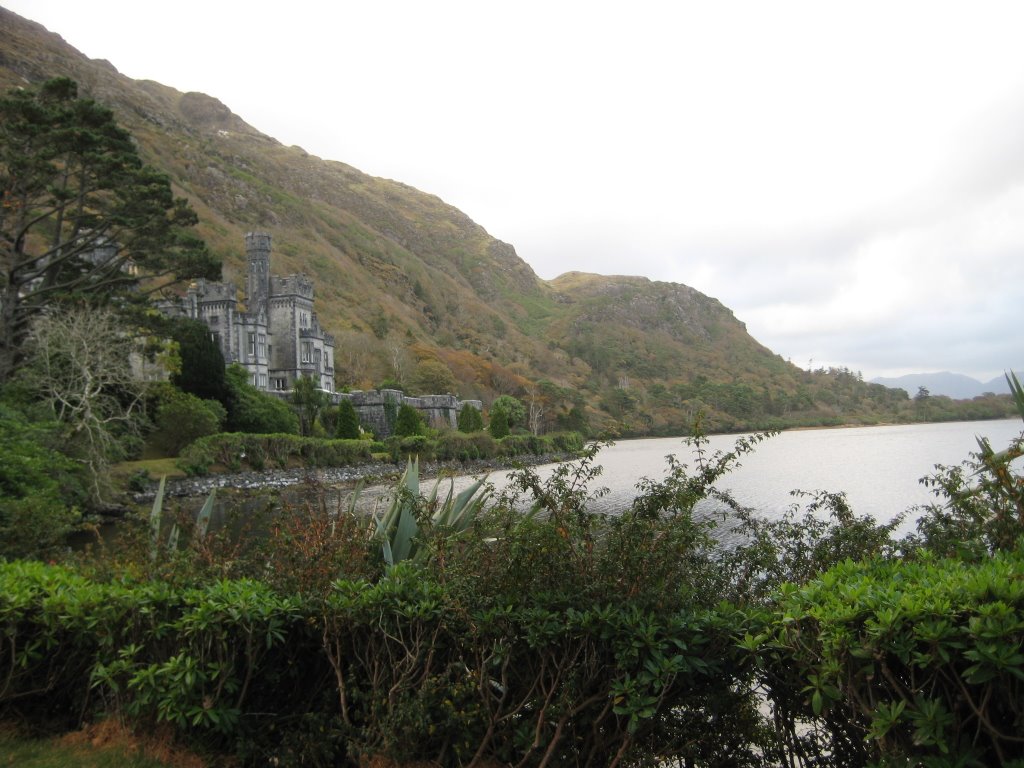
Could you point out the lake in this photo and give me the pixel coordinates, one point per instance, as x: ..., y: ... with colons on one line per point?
x: 877, y: 467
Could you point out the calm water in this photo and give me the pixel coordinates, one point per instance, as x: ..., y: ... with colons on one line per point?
x: 877, y: 467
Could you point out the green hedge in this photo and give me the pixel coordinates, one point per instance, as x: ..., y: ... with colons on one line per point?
x: 905, y: 660
x: 881, y: 662
x: 398, y: 667
x: 238, y: 450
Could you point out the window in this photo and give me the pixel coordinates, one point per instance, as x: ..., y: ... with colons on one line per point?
x: 302, y: 320
x: 263, y: 381
x: 261, y: 350
x: 252, y: 344
x: 213, y: 319
x: 307, y: 351
x: 280, y: 384
x: 216, y: 338
x: 316, y: 356
x: 255, y: 381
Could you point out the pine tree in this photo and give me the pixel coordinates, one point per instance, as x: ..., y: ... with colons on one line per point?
x: 348, y: 420
x: 82, y: 220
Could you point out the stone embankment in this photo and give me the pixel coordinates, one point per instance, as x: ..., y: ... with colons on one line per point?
x: 337, y: 477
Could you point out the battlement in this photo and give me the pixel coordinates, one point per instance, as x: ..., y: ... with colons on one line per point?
x: 257, y: 242
x: 205, y: 290
x: 292, y: 285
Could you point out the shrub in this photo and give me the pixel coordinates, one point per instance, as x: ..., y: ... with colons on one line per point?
x: 408, y: 422
x: 905, y: 661
x: 499, y: 425
x: 470, y: 420
x: 235, y: 450
x: 40, y: 487
x: 250, y: 410
x: 347, y: 421
x: 182, y: 418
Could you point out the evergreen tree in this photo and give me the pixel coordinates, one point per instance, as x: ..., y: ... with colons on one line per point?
x: 499, y: 425
x: 348, y: 420
x: 82, y: 220
x: 470, y: 420
x: 511, y: 408
x: 409, y: 421
x: 202, y: 363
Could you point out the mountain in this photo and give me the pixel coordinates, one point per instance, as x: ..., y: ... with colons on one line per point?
x: 954, y: 385
x: 401, y: 277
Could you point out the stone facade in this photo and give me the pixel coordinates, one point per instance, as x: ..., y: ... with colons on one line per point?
x: 275, y: 335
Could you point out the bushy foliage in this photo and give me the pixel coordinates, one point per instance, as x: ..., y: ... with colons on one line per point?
x: 498, y: 425
x: 182, y: 418
x: 347, y: 421
x: 539, y: 632
x: 980, y: 507
x: 250, y: 410
x: 309, y: 400
x: 409, y: 422
x: 235, y: 451
x: 201, y: 363
x: 903, y: 662
x: 41, y: 489
x: 512, y: 409
x: 470, y: 420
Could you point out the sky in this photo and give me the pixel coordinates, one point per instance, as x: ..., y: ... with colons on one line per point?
x: 848, y: 178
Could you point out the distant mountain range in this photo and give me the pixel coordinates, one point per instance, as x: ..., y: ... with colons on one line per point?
x: 954, y: 385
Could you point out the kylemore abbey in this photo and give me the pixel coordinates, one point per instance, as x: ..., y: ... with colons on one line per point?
x: 276, y: 336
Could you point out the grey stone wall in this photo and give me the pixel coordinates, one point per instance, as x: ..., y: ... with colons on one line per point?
x: 373, y: 406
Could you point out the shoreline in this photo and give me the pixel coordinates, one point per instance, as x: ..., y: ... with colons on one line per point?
x: 377, y: 473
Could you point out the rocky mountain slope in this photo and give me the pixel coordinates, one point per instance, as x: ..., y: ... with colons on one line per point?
x: 401, y: 277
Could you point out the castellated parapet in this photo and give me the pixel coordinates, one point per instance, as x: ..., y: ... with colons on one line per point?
x: 298, y: 285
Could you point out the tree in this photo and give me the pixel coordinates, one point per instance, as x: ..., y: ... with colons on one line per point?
x: 470, y: 420
x: 513, y: 410
x: 499, y: 425
x: 81, y: 218
x: 310, y: 400
x: 250, y: 410
x: 201, y: 371
x: 409, y: 421
x: 79, y: 364
x: 348, y: 420
x: 40, y: 487
x: 182, y: 418
x: 432, y: 377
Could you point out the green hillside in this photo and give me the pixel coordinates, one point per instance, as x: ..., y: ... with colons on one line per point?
x: 402, y: 277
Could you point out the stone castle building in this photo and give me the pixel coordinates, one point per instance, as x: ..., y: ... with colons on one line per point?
x: 274, y: 334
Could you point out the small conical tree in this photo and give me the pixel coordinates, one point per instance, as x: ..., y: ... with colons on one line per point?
x: 499, y: 425
x: 409, y: 421
x: 470, y: 420
x: 348, y: 421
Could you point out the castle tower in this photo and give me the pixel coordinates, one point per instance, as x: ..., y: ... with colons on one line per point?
x: 257, y: 249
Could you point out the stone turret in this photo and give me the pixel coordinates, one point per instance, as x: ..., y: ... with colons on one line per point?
x: 257, y: 249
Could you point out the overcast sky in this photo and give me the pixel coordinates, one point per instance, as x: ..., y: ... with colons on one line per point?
x: 848, y: 177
